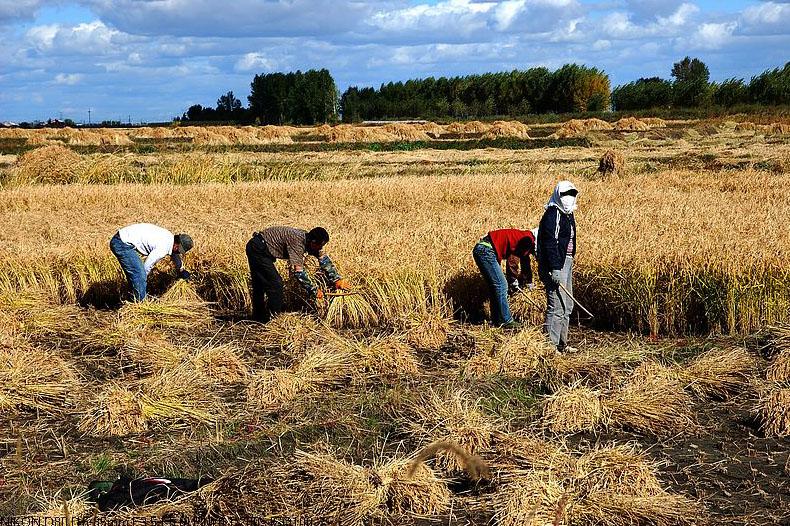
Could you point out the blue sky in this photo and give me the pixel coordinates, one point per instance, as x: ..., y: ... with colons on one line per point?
x: 149, y: 60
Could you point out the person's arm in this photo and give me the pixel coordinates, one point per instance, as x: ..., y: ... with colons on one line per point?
x: 328, y: 268
x: 511, y: 268
x: 154, y: 256
x: 304, y: 279
x: 177, y: 261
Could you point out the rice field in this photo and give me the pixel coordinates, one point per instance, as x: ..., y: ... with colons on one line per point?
x: 400, y: 403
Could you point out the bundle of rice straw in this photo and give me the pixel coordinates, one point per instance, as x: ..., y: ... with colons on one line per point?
x: 34, y: 379
x: 618, y: 468
x: 406, y: 132
x: 746, y: 126
x: 345, y: 493
x: 275, y: 134
x: 513, y: 129
x: 292, y: 332
x: 719, y: 373
x: 431, y: 128
x: 631, y: 124
x: 382, y: 359
x: 220, y: 364
x: 777, y: 128
x: 526, y: 354
x: 151, y: 351
x: 270, y: 390
x: 612, y: 163
x: 179, y: 308
x: 575, y: 127
x: 779, y: 370
x: 574, y: 409
x: 587, y: 368
x: 350, y: 311
x: 535, y: 499
x: 426, y: 330
x: 54, y: 164
x: 654, y: 122
x: 516, y: 453
x: 116, y: 411
x: 451, y: 418
x: 57, y: 507
x: 350, y: 133
x: 618, y: 508
x: 774, y: 410
x: 527, y: 307
x: 657, y: 406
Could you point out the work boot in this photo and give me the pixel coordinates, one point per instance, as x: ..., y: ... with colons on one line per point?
x: 512, y: 325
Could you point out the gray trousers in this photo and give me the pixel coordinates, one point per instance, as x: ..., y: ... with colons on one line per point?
x: 558, y: 305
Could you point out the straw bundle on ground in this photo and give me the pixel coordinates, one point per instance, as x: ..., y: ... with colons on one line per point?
x: 58, y: 507
x: 774, y: 410
x: 116, y: 411
x: 451, y: 418
x: 382, y: 359
x: 612, y: 163
x: 47, y: 165
x: 589, y: 367
x: 777, y: 128
x: 291, y: 332
x: 615, y: 508
x: 535, y: 499
x: 175, y: 311
x: 526, y: 306
x: 575, y: 409
x: 475, y: 467
x: 746, y: 126
x: 657, y: 406
x: 620, y: 468
x: 779, y: 370
x: 426, y: 330
x: 150, y: 350
x: 654, y: 122
x: 719, y: 373
x: 406, y: 132
x: 275, y: 134
x: 220, y: 364
x: 347, y: 494
x: 350, y: 133
x: 350, y: 311
x: 513, y: 129
x: 576, y: 127
x: 631, y: 124
x: 179, y: 396
x: 34, y: 379
x: 270, y: 390
x: 431, y: 128
x: 515, y: 453
x: 526, y: 354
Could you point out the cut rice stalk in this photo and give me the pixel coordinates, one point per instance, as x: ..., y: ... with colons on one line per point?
x: 719, y: 373
x: 574, y: 409
x: 774, y: 410
x: 350, y: 311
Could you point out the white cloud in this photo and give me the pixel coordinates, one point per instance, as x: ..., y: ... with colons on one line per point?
x: 507, y: 11
x: 255, y: 62
x: 713, y: 36
x: 766, y: 13
x: 11, y: 10
x: 90, y: 38
x: 68, y: 79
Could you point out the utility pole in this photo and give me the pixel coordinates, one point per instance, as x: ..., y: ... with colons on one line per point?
x: 89, y: 116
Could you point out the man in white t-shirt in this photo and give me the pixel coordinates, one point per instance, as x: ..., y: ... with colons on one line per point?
x: 152, y: 242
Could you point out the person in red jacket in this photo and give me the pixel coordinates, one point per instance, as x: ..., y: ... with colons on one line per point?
x: 514, y: 246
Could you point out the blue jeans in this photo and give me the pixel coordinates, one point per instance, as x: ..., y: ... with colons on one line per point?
x: 132, y: 266
x: 558, y: 304
x: 491, y: 269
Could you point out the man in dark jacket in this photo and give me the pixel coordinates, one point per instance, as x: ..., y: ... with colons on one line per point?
x: 556, y: 250
x: 514, y: 246
x: 283, y: 242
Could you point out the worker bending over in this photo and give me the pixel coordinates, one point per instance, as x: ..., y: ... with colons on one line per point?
x: 514, y: 246
x: 284, y: 242
x: 154, y: 243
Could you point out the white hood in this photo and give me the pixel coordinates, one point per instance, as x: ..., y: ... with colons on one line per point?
x: 565, y: 204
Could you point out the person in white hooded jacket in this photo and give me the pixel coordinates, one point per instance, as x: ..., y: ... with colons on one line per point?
x: 556, y: 250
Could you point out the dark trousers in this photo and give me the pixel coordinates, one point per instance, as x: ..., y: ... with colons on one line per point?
x: 267, y: 284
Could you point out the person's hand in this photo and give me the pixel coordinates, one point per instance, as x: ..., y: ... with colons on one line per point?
x: 556, y: 276
x: 530, y: 286
x: 184, y: 275
x: 513, y: 288
x: 342, y: 284
x: 319, y: 298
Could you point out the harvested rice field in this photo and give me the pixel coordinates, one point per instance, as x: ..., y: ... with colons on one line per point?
x: 401, y: 404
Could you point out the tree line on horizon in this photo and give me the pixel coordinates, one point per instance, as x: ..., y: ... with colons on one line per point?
x: 312, y: 97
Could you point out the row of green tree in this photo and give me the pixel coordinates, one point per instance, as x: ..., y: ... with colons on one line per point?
x: 312, y: 97
x: 277, y: 98
x: 691, y: 88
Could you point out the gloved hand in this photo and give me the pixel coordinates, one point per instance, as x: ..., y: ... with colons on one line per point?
x: 184, y: 275
x: 556, y: 276
x: 319, y: 297
x: 530, y: 286
x: 342, y: 284
x: 513, y: 288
